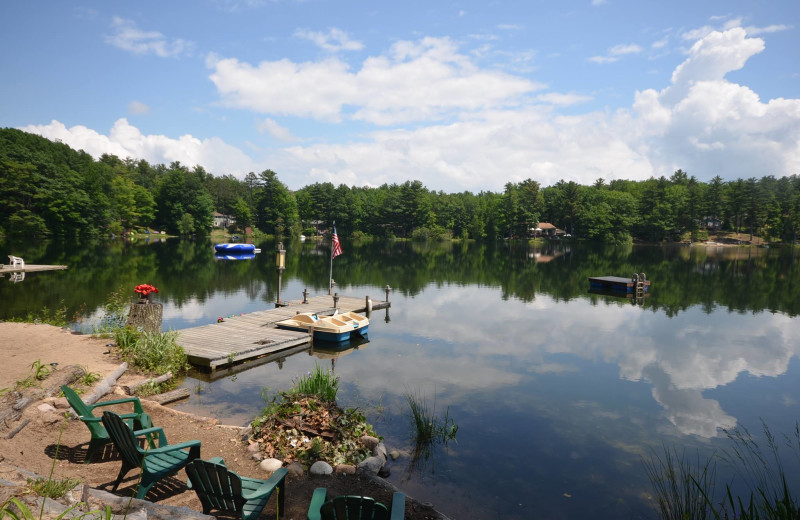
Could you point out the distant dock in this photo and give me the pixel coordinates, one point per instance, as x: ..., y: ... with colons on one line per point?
x: 254, y: 335
x: 638, y: 284
x: 28, y: 268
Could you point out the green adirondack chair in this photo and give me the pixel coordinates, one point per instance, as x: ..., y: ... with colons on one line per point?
x: 156, y: 463
x: 136, y: 420
x: 351, y: 507
x: 219, y: 488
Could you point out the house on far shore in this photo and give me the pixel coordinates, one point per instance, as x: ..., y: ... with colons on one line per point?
x: 223, y: 221
x: 547, y: 230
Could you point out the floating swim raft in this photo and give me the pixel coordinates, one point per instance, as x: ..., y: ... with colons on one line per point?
x: 636, y: 283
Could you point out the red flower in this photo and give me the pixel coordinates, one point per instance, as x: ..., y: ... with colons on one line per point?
x: 145, y: 289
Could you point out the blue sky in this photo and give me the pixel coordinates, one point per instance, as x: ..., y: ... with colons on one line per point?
x: 460, y: 95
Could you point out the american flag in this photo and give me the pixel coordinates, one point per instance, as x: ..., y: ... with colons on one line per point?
x: 336, y: 248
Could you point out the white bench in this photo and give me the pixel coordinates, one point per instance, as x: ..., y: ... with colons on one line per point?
x: 16, y: 261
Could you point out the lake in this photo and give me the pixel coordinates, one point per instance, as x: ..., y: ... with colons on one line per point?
x: 558, y: 392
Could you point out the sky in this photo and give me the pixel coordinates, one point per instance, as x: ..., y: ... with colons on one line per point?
x: 460, y: 95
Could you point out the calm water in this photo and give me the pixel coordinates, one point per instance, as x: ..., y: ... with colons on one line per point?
x: 557, y: 392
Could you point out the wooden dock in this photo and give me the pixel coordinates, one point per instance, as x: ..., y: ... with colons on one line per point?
x: 253, y: 335
x: 28, y: 268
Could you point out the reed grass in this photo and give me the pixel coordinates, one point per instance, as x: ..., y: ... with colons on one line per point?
x: 426, y: 427
x: 317, y: 382
x: 684, y: 489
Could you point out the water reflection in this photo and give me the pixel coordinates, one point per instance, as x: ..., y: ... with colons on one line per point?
x: 557, y: 392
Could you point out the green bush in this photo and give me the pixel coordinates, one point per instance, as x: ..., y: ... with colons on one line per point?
x: 151, y: 352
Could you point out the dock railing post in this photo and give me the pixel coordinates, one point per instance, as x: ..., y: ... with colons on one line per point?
x: 368, y: 306
x: 305, y: 295
x: 336, y: 300
x: 387, y: 292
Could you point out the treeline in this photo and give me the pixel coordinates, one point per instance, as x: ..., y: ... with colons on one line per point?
x: 47, y: 188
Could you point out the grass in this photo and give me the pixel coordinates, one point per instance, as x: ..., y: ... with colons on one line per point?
x: 681, y: 484
x: 47, y: 487
x: 151, y: 352
x: 39, y: 372
x: 686, y: 490
x: 57, y: 318
x: 427, y: 428
x: 318, y: 382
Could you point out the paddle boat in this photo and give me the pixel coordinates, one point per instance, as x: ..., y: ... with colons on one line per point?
x: 236, y: 248
x: 338, y: 327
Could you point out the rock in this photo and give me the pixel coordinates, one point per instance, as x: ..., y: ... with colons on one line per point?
x: 395, y: 454
x: 256, y: 456
x: 60, y: 403
x: 51, y: 417
x: 270, y: 465
x: 380, y: 451
x: 384, y: 472
x: 345, y: 469
x: 254, y: 447
x: 371, y: 465
x: 119, y: 391
x: 247, y: 432
x: 44, y: 407
x: 320, y: 468
x: 369, y: 442
x: 296, y: 469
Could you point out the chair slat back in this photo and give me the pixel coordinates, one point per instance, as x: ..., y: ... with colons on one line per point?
x: 216, y: 487
x: 123, y: 438
x: 351, y: 507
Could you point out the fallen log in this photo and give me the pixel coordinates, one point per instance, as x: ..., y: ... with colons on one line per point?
x: 133, y: 387
x: 98, y: 499
x: 169, y: 397
x: 105, y: 385
x: 47, y: 388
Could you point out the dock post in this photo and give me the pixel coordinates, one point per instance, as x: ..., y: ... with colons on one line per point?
x: 387, y: 292
x: 368, y: 306
x: 336, y: 300
x: 305, y: 295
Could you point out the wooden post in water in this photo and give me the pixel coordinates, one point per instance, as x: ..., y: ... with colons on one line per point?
x: 387, y: 292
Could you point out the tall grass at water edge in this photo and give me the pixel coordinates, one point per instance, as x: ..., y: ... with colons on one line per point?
x: 426, y: 427
x: 686, y: 490
x: 151, y: 352
x: 317, y: 382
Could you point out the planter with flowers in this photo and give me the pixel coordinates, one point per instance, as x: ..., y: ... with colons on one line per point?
x: 145, y: 292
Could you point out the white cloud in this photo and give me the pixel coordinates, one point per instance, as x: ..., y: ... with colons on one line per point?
x: 333, y: 41
x: 125, y: 140
x: 603, y: 59
x: 755, y: 31
x: 275, y: 130
x: 615, y: 52
x: 477, y: 129
x: 129, y: 37
x: 715, y: 125
x: 564, y: 100
x: 419, y: 81
x: 138, y: 108
x: 629, y: 48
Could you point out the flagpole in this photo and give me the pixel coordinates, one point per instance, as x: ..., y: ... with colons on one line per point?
x: 330, y: 275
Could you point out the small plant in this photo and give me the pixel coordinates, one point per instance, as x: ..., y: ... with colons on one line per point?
x: 49, y: 488
x: 318, y: 382
x: 89, y: 378
x: 40, y: 370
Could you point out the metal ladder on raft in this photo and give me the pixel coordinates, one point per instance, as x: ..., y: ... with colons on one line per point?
x: 639, y: 280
